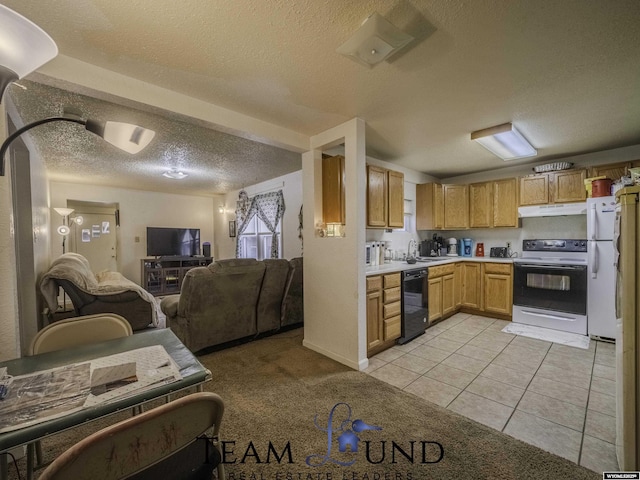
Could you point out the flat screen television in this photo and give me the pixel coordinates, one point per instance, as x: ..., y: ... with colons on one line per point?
x: 163, y: 242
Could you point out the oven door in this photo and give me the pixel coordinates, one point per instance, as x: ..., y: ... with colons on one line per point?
x: 560, y: 288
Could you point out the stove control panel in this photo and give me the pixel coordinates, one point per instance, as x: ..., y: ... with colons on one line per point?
x: 554, y: 245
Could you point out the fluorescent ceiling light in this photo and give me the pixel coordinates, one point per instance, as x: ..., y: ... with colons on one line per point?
x: 374, y: 41
x: 24, y: 47
x: 505, y: 142
x: 175, y: 174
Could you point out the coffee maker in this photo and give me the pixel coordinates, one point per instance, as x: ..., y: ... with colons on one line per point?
x: 453, y: 247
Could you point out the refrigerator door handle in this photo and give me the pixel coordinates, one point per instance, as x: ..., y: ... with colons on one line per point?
x: 593, y: 259
x: 593, y: 218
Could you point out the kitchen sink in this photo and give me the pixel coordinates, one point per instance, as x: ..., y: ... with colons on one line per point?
x: 429, y: 259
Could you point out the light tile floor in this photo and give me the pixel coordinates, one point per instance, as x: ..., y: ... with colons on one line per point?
x: 559, y: 398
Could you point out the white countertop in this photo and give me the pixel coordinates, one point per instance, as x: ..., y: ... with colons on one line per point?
x: 399, y: 266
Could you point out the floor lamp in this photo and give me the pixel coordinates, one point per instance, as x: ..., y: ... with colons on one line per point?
x: 64, y: 231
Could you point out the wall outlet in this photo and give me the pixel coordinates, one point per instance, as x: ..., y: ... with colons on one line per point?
x: 508, y: 245
x: 136, y: 239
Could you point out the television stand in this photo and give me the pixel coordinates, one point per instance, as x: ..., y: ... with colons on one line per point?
x: 164, y: 275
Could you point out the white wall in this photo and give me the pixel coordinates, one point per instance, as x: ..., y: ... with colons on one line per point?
x: 8, y: 303
x: 138, y: 210
x: 291, y: 186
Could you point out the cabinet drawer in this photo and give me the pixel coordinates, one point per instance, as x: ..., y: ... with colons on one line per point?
x: 392, y: 328
x: 374, y: 283
x: 500, y: 268
x: 391, y: 294
x: 441, y: 270
x: 392, y: 280
x: 392, y: 309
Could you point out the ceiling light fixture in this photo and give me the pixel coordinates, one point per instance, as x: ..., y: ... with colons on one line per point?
x: 505, y: 142
x: 375, y: 40
x: 24, y: 47
x: 175, y: 174
x: 125, y: 136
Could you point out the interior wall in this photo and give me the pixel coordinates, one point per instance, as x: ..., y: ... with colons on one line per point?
x: 291, y: 186
x: 9, y: 347
x: 138, y: 210
x: 334, y: 272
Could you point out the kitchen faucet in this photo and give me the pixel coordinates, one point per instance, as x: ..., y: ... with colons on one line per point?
x: 411, y: 248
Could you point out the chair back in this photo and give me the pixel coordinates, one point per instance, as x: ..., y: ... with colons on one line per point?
x: 72, y: 332
x: 140, y: 442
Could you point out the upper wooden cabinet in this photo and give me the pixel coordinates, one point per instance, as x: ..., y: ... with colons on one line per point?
x: 395, y: 208
x: 456, y: 206
x: 429, y: 206
x: 481, y: 205
x: 333, y: 210
x: 565, y: 186
x: 613, y: 170
x: 385, y: 198
x: 505, y: 202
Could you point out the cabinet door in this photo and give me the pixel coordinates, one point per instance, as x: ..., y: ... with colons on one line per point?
x: 333, y: 190
x: 429, y: 206
x: 471, y: 285
x: 448, y: 294
x: 395, y: 184
x: 375, y: 332
x: 481, y: 205
x: 568, y: 186
x: 498, y: 293
x: 456, y: 206
x: 376, y: 196
x: 613, y: 171
x: 534, y: 190
x: 435, y: 298
x: 457, y: 285
x: 392, y: 328
x: 505, y: 203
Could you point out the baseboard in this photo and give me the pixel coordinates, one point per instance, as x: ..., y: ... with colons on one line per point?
x: 334, y: 356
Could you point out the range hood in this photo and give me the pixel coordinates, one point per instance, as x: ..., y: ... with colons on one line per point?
x: 554, y: 210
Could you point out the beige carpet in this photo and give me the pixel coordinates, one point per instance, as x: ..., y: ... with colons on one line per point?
x: 274, y: 388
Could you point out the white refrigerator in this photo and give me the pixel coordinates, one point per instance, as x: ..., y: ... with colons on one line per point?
x: 627, y: 242
x: 601, y: 308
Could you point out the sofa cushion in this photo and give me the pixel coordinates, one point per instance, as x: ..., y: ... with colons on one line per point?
x: 269, y: 307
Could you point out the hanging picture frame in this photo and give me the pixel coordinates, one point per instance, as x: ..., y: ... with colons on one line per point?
x: 232, y: 228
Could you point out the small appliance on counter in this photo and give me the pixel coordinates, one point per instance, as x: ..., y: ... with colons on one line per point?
x: 479, y: 249
x: 498, y: 252
x: 467, y: 244
x: 453, y: 247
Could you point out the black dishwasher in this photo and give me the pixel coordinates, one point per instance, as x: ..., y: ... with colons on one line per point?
x: 415, y: 310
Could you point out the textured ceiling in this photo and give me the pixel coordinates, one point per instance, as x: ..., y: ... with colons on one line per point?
x: 567, y: 73
x: 216, y: 162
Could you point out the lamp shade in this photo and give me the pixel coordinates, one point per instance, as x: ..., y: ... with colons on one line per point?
x: 24, y: 47
x: 505, y: 142
x: 63, y: 211
x: 125, y: 136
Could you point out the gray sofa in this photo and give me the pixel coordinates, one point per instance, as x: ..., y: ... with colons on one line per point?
x: 233, y: 299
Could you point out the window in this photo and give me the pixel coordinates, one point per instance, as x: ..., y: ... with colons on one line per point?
x: 255, y: 241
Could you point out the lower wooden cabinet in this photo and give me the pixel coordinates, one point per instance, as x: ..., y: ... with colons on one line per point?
x: 497, y: 288
x: 384, y: 311
x: 472, y: 285
x: 441, y: 291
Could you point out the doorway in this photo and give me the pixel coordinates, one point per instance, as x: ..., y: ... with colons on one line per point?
x: 94, y: 233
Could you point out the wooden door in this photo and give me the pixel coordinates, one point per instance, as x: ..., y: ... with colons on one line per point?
x: 568, y: 186
x: 435, y: 298
x: 333, y: 210
x: 395, y: 186
x: 456, y: 206
x: 448, y: 294
x: 534, y: 190
x: 471, y: 285
x: 481, y: 205
x: 505, y: 203
x: 457, y: 285
x: 429, y: 206
x: 375, y: 333
x: 613, y: 170
x: 376, y: 196
x: 497, y: 293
